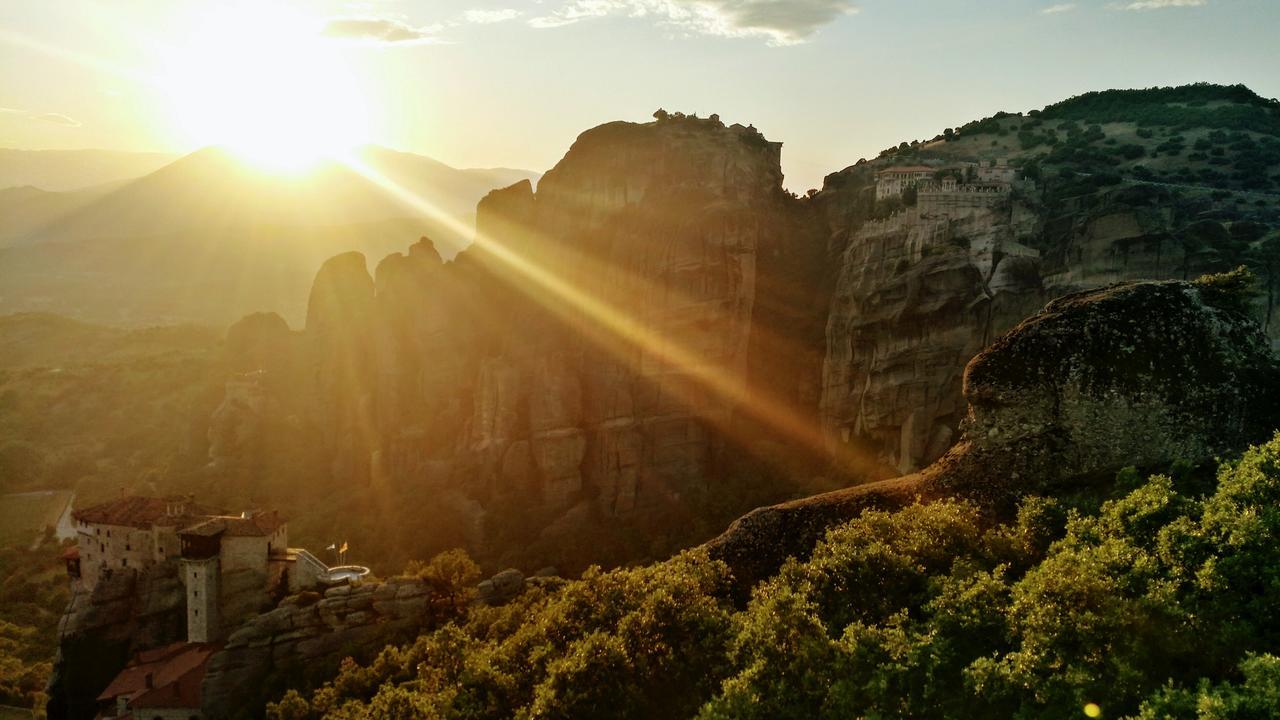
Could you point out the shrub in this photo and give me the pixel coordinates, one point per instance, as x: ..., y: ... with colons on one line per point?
x: 1156, y: 603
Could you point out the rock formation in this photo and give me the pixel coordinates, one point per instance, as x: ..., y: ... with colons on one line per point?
x: 1141, y: 373
x: 659, y: 309
x: 589, y: 356
x: 307, y: 636
x: 100, y: 630
x: 919, y: 293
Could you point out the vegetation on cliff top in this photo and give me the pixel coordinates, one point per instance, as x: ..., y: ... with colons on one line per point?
x: 1153, y: 603
x: 1200, y: 135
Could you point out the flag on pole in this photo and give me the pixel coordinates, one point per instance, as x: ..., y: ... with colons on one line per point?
x: 343, y: 548
x: 333, y: 546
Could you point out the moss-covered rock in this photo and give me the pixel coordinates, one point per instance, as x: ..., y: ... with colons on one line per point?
x: 1143, y: 373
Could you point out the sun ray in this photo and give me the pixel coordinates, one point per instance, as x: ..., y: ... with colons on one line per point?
x: 609, y: 325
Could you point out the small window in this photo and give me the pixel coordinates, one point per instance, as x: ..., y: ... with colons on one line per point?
x: 196, y: 611
x: 127, y: 546
x: 124, y: 562
x: 195, y: 593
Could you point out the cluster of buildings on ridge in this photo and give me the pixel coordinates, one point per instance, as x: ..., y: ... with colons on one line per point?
x: 985, y: 176
x: 230, y: 566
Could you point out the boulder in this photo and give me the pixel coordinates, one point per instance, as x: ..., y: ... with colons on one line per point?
x: 1142, y: 373
x: 500, y: 588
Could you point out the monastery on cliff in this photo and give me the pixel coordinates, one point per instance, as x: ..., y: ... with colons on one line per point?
x: 230, y: 566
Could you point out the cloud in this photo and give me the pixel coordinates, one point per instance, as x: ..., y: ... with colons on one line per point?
x: 780, y: 22
x: 56, y: 119
x: 379, y: 30
x: 1059, y: 8
x: 484, y: 17
x: 52, y: 118
x: 1161, y: 4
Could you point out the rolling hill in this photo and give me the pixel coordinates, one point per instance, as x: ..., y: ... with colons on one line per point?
x: 61, y: 170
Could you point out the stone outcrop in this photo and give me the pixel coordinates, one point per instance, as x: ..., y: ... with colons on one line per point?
x: 237, y: 423
x: 589, y: 356
x: 307, y: 636
x: 339, y: 336
x: 127, y: 611
x: 1139, y: 373
x: 919, y: 293
x: 659, y: 309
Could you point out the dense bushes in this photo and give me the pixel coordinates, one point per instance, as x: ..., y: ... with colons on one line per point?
x: 1157, y: 603
x: 645, y: 642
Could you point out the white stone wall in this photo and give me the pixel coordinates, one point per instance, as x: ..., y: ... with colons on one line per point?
x: 112, y: 546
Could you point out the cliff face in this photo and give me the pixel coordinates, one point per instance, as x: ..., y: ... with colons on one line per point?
x: 1142, y: 374
x: 916, y: 295
x: 619, y: 341
x: 100, y: 630
x: 919, y: 293
x: 589, y: 355
x: 308, y: 635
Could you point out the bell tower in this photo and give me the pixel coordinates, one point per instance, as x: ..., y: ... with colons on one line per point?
x: 201, y: 571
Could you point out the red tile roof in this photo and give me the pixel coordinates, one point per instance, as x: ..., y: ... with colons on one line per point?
x: 175, y: 671
x: 143, y: 512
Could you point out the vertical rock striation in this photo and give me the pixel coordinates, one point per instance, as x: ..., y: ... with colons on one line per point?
x: 589, y: 355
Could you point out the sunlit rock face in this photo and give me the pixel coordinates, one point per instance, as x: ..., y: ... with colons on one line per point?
x: 591, y: 353
x: 339, y: 332
x: 659, y: 228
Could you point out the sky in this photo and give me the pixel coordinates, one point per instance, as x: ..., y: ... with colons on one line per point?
x: 512, y: 82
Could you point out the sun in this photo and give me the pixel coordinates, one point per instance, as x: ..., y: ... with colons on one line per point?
x: 267, y: 87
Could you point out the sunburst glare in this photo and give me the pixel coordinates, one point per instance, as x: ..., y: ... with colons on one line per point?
x: 268, y: 88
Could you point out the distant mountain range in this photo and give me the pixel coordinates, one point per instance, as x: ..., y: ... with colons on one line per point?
x: 208, y: 237
x: 60, y: 170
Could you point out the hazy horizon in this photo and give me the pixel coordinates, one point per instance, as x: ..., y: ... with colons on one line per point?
x: 504, y: 84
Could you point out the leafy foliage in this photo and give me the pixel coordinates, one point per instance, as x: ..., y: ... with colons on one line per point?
x: 33, y: 591
x: 1155, y: 603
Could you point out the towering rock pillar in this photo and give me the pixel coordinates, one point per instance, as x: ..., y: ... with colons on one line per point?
x: 340, y: 330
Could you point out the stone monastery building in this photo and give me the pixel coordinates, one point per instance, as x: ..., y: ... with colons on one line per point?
x: 228, y: 563
x: 231, y: 566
